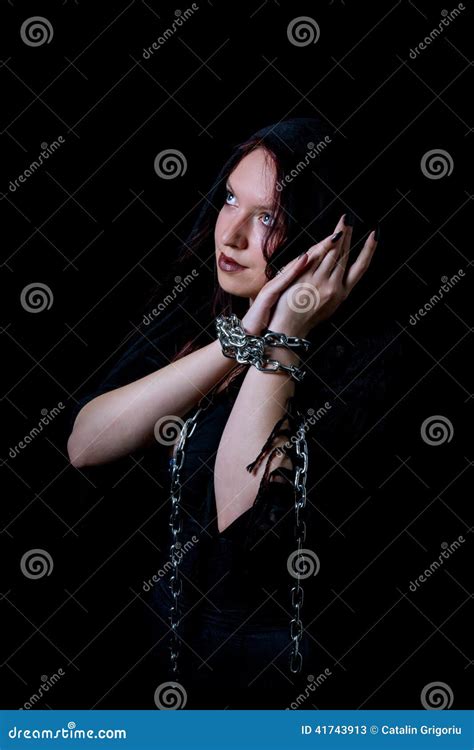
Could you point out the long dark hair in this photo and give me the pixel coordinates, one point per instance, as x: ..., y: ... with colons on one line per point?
x: 355, y: 375
x: 305, y: 156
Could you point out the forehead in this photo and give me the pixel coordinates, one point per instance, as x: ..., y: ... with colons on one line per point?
x: 254, y: 178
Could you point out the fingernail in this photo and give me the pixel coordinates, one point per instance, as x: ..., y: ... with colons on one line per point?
x: 377, y: 233
x: 305, y: 252
x: 337, y: 236
x: 349, y: 219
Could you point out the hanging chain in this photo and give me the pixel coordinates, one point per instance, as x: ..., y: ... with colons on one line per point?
x: 175, y: 522
x: 296, y: 625
x: 176, y: 525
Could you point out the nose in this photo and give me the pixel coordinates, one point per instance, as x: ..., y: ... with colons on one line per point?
x: 235, y: 234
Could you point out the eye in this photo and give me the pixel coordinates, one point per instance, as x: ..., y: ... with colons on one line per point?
x: 270, y: 219
x: 228, y: 193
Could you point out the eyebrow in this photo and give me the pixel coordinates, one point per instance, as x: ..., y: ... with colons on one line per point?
x: 228, y: 185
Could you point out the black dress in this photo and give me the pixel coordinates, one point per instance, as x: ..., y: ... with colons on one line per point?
x: 236, y: 598
x: 236, y: 604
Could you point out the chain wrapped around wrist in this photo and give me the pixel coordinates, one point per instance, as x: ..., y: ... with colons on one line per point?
x: 246, y: 348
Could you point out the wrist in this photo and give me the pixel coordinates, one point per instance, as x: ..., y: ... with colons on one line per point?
x: 288, y: 329
x: 283, y: 354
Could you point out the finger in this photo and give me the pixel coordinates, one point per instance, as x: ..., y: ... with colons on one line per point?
x: 285, y: 277
x: 318, y: 251
x: 298, y: 262
x: 331, y: 259
x: 341, y: 263
x: 361, y: 264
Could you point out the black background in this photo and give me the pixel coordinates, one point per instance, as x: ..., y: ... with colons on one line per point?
x: 98, y: 227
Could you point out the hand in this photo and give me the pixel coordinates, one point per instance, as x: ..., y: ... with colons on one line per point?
x: 257, y: 317
x: 323, y: 285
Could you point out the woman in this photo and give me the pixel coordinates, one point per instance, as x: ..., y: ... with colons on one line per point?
x: 229, y: 603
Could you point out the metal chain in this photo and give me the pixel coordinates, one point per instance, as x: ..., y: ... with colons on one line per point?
x: 176, y: 525
x: 175, y: 522
x: 296, y: 625
x: 246, y: 348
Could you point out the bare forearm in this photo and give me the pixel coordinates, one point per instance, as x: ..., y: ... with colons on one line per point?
x: 121, y: 421
x: 261, y: 402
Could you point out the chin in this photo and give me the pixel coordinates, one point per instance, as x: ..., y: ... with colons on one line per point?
x: 236, y: 290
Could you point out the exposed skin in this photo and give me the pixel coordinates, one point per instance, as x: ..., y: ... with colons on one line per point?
x: 308, y: 290
x: 239, y: 233
x: 125, y: 419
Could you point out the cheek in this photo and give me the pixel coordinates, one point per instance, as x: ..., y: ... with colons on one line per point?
x: 218, y: 226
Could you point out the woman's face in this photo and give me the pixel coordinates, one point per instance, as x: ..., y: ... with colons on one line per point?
x: 242, y: 223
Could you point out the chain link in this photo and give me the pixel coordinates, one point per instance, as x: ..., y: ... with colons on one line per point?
x: 246, y: 348
x: 175, y: 522
x: 297, y: 593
